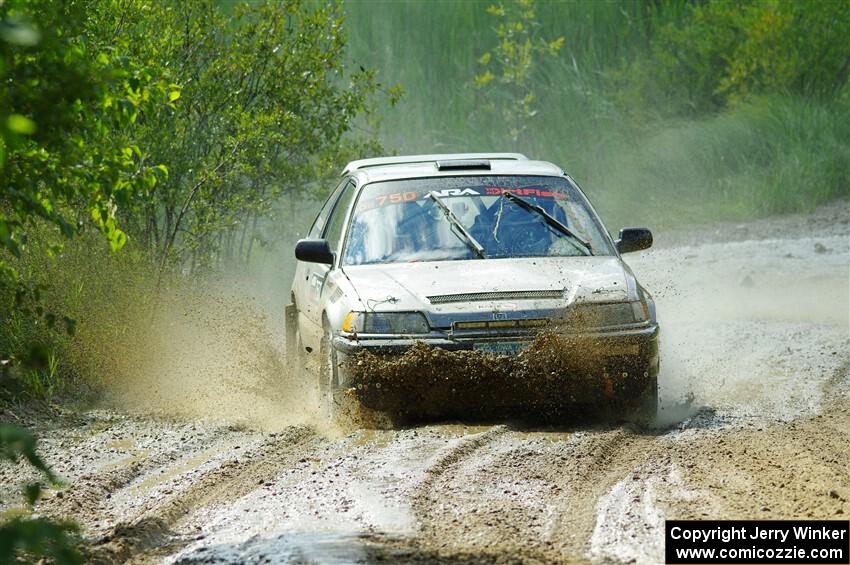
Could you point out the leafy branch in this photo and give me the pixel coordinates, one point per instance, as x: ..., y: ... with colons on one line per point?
x: 509, y: 68
x: 23, y: 535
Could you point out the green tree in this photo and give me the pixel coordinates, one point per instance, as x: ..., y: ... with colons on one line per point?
x: 67, y: 108
x: 63, y: 98
x: 175, y: 124
x: 800, y: 47
x: 264, y: 104
x: 509, y: 68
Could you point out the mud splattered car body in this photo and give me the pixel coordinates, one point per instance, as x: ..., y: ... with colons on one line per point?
x: 478, y: 253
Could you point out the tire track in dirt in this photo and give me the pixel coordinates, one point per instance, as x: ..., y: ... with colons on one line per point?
x: 461, y: 449
x: 585, y: 473
x: 150, y: 531
x: 345, y: 497
x: 783, y: 470
x: 517, y: 496
x: 87, y: 498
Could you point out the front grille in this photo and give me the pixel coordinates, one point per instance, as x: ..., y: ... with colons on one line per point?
x: 506, y: 295
x: 501, y: 324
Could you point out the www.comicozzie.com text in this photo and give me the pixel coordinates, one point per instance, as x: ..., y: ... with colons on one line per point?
x: 726, y: 534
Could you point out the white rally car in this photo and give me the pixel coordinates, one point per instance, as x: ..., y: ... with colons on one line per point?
x: 476, y: 253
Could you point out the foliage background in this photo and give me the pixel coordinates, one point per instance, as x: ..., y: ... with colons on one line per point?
x: 666, y: 111
x: 177, y: 129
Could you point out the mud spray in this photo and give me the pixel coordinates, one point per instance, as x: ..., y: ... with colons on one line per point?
x: 210, y: 350
x: 557, y: 377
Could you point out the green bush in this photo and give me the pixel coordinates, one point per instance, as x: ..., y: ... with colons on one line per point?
x: 106, y: 297
x: 25, y: 537
x: 727, y: 51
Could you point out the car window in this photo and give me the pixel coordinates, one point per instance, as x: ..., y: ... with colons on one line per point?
x: 396, y: 221
x: 335, y: 223
x: 318, y: 227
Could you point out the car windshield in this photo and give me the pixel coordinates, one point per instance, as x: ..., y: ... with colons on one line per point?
x: 468, y: 217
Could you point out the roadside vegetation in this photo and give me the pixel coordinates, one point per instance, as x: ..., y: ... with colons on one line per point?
x: 141, y: 145
x: 144, y: 139
x: 666, y: 112
x: 147, y: 144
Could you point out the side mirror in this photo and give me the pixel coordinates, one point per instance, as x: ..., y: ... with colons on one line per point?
x: 634, y: 239
x: 314, y: 251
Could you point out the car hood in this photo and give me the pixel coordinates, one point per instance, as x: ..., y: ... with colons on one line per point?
x: 407, y: 286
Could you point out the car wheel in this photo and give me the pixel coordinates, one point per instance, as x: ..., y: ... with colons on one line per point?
x: 293, y: 335
x: 340, y: 405
x: 328, y: 382
x: 647, y: 411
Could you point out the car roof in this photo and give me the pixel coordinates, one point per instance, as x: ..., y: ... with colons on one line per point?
x: 416, y: 166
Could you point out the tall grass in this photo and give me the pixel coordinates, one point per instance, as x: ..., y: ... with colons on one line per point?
x: 38, y: 377
x: 771, y: 155
x: 432, y: 49
x: 102, y: 294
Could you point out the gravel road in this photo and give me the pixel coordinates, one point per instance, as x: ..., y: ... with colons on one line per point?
x: 755, y: 424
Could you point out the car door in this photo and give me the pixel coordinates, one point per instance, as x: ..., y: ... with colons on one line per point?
x: 300, y: 284
x: 314, y: 275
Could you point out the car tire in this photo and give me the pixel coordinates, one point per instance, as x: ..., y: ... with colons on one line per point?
x: 647, y: 410
x: 328, y: 385
x: 293, y: 336
x: 340, y: 406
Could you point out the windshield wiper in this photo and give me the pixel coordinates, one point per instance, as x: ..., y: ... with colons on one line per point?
x: 551, y: 220
x: 467, y: 237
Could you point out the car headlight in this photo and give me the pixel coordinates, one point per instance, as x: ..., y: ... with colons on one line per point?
x: 385, y: 323
x: 611, y: 314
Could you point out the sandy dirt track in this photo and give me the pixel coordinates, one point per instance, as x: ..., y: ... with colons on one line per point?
x: 755, y: 389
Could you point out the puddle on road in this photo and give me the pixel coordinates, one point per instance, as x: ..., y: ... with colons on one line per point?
x: 135, y: 456
x: 384, y: 438
x: 14, y: 512
x: 459, y: 429
x: 327, y: 548
x: 171, y: 472
x: 550, y: 437
x: 121, y: 444
x: 376, y: 438
x: 89, y: 430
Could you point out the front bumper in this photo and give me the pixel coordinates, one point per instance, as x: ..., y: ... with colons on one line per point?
x: 620, y: 339
x: 444, y: 375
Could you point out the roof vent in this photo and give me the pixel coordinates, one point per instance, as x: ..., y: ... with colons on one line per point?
x: 420, y: 159
x: 463, y: 165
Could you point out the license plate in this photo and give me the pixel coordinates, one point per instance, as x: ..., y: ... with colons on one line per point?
x: 506, y: 347
x: 623, y: 349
